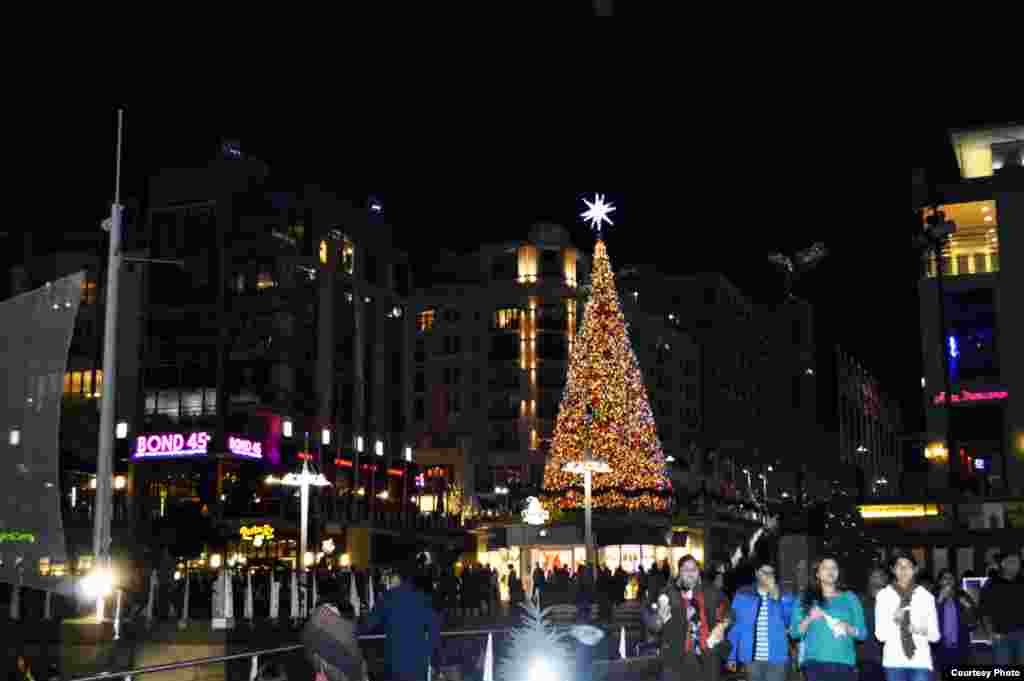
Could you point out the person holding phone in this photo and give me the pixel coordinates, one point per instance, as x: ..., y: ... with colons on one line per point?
x: 906, y: 623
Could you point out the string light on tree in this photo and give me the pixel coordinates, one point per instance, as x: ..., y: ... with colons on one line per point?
x: 605, y: 405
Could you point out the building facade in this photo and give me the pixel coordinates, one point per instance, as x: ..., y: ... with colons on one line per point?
x: 983, y: 330
x: 870, y: 424
x: 285, y: 316
x: 492, y: 337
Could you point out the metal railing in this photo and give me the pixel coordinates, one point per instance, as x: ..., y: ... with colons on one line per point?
x: 254, y: 655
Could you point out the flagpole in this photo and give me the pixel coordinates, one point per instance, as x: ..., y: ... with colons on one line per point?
x: 105, y: 458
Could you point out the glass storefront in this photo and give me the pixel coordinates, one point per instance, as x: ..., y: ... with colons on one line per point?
x: 501, y: 560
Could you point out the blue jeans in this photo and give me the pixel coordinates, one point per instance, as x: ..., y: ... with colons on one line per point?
x: 1009, y: 649
x: 829, y: 671
x: 907, y: 674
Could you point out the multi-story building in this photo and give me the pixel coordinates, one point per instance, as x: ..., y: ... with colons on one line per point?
x: 984, y: 330
x: 869, y: 423
x: 286, y: 316
x: 493, y: 332
x: 756, y: 407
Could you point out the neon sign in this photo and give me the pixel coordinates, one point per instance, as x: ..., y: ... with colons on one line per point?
x: 166, y: 445
x: 182, y: 445
x: 240, y: 446
x: 256, y: 532
x: 968, y: 396
x: 17, y: 537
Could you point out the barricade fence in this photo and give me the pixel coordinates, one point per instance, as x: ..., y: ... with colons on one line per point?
x: 469, y: 653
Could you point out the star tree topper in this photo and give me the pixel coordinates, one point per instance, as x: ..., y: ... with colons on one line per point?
x: 597, y: 213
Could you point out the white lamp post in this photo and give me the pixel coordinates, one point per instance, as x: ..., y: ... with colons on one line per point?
x: 588, y: 465
x: 303, y: 480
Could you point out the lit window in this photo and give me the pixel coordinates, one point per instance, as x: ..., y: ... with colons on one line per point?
x: 425, y: 320
x: 88, y: 292
x: 87, y: 382
x: 348, y: 255
x: 507, y: 318
x: 265, y: 280
x: 527, y: 264
x: 974, y: 247
x: 76, y: 382
x: 323, y: 252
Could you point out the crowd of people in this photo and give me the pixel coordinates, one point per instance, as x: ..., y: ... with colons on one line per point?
x: 905, y: 627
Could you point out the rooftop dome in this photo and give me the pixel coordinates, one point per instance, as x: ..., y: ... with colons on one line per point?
x: 549, y: 234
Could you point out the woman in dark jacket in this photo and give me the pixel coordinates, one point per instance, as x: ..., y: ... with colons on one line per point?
x: 956, y: 611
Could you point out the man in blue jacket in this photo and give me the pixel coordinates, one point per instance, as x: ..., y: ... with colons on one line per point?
x: 411, y: 626
x: 758, y: 637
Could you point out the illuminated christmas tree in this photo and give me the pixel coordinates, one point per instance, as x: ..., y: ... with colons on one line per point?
x: 605, y: 406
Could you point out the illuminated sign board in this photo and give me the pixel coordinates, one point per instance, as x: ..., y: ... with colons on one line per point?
x: 879, y: 511
x: 17, y: 537
x: 240, y: 446
x: 151, y: 446
x: 261, y: 532
x: 968, y: 396
x: 936, y: 451
x: 169, y: 445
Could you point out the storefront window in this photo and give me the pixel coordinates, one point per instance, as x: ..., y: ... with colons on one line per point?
x: 500, y: 560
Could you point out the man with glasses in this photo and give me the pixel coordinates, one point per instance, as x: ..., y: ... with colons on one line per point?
x: 692, y: 619
x: 758, y: 638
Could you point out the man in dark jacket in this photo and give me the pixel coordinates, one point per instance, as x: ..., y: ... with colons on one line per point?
x: 693, y: 620
x: 1002, y: 613
x: 411, y: 627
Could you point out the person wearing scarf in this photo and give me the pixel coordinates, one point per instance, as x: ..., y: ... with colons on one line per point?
x: 906, y: 622
x: 693, y: 621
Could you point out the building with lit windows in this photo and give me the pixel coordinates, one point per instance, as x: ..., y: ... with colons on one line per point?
x: 752, y: 426
x: 287, y: 316
x: 869, y: 424
x: 984, y: 330
x: 492, y: 336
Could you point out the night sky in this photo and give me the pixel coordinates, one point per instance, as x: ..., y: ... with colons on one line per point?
x: 712, y: 193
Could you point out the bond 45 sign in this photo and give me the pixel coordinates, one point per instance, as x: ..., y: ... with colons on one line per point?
x: 191, y: 444
x: 168, y: 445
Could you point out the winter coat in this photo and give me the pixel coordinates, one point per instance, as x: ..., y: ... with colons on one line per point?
x: 712, y: 606
x: 746, y: 604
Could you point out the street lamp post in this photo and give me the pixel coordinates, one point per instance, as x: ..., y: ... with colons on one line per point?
x: 304, y: 480
x: 588, y: 465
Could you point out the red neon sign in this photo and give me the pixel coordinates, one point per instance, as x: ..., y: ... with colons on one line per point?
x: 968, y: 396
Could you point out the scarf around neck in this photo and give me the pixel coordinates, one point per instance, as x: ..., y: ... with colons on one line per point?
x: 906, y: 636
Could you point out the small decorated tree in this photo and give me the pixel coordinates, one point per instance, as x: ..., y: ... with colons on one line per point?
x: 535, y: 650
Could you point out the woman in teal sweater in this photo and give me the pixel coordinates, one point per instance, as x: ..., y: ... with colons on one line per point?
x: 828, y: 622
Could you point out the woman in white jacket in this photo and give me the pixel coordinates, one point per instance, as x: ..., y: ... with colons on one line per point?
x: 906, y: 623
